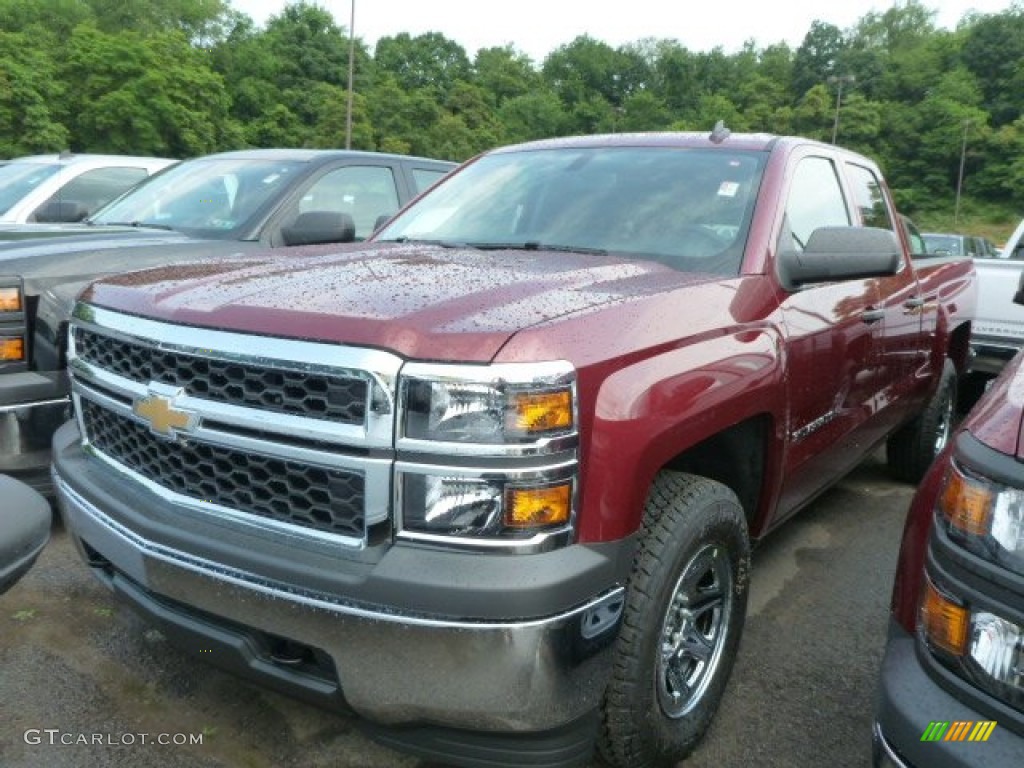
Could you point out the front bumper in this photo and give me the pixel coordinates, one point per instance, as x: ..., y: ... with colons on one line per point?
x: 32, y: 407
x: 910, y: 700
x: 446, y: 685
x: 990, y: 355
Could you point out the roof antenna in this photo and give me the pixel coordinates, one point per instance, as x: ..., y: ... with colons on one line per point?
x: 719, y: 133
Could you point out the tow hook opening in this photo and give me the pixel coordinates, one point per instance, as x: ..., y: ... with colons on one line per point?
x: 288, y: 653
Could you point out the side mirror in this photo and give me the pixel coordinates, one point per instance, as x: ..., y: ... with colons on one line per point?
x: 60, y: 211
x: 314, y: 227
x: 1018, y: 297
x: 24, y: 529
x: 383, y: 219
x: 841, y: 253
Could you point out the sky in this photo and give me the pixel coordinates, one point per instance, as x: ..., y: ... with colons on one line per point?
x: 537, y: 27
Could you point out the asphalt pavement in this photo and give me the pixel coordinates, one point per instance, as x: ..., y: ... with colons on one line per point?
x: 84, y: 682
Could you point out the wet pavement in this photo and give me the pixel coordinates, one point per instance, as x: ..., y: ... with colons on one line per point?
x: 84, y: 682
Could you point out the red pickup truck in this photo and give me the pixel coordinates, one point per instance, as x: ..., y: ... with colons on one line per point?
x: 491, y: 479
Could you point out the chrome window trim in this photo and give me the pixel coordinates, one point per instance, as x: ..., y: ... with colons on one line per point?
x: 542, y: 541
x: 544, y: 375
x: 377, y: 367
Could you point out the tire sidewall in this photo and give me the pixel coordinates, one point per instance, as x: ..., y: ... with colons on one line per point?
x: 656, y: 738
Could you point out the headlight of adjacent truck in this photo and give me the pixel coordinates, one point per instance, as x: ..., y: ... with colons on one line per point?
x: 12, y: 321
x: 487, y: 453
x: 986, y: 518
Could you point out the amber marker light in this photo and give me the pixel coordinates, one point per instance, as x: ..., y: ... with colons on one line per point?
x: 533, y: 412
x: 538, y: 507
x: 945, y: 623
x: 10, y: 299
x: 967, y: 504
x: 12, y: 350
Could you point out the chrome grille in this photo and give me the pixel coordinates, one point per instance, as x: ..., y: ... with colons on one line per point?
x: 338, y: 398
x: 329, y: 500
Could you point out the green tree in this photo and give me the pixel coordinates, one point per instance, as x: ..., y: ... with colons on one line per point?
x: 155, y: 94
x: 426, y: 61
x: 993, y: 51
x: 585, y: 73
x: 817, y: 57
x: 504, y: 73
x: 29, y: 93
x: 532, y: 116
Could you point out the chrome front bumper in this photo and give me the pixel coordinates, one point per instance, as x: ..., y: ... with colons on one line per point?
x: 391, y: 668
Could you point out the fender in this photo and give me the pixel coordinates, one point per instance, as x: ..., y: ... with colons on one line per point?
x: 650, y: 412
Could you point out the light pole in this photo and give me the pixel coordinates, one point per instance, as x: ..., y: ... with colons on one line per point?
x: 839, y: 80
x: 960, y: 176
x: 351, y: 67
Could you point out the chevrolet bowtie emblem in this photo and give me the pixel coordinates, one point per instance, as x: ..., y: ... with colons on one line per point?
x: 158, y: 411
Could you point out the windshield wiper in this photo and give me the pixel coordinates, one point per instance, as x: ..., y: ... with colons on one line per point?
x: 136, y: 224
x: 534, y: 245
x: 417, y: 241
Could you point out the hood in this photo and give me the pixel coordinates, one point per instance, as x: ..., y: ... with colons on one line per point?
x: 423, y: 302
x: 14, y: 232
x: 77, y: 259
x: 997, y: 418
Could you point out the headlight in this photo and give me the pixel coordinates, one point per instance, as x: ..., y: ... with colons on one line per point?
x: 982, y: 647
x: 492, y: 507
x: 492, y: 405
x: 985, y: 517
x: 508, y: 435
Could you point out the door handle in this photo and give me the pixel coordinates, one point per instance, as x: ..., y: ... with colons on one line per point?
x: 872, y: 315
x: 914, y: 302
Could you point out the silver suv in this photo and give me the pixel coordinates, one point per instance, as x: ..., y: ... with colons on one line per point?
x: 68, y: 187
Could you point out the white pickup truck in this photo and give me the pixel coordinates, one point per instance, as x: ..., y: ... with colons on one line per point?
x: 998, y: 331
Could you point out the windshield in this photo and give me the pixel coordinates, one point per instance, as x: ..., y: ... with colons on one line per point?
x: 689, y: 209
x: 943, y: 244
x: 18, y: 179
x: 206, y: 197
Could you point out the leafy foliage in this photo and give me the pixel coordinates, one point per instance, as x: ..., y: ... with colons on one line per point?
x: 188, y: 77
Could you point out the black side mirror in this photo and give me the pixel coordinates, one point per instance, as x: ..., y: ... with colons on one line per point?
x: 314, y: 227
x: 24, y: 529
x: 60, y: 211
x: 383, y: 219
x: 840, y: 253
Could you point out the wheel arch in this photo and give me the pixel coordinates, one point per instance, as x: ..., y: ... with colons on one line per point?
x: 698, y: 420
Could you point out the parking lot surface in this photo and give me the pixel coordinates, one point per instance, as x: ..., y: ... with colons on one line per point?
x: 84, y: 682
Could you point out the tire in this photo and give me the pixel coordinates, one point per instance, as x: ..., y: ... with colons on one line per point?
x: 671, y: 663
x: 911, y: 450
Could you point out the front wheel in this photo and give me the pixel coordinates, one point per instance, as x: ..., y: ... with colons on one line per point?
x: 684, y: 614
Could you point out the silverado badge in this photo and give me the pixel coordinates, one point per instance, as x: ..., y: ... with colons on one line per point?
x: 158, y: 411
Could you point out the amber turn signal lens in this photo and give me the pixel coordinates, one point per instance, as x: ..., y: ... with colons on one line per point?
x: 10, y: 299
x: 944, y: 622
x: 533, y: 412
x: 12, y: 350
x: 967, y: 504
x: 538, y: 507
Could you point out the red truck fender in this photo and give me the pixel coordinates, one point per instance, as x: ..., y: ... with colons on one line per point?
x: 650, y: 413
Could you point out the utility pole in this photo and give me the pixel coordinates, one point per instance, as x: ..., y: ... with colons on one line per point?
x: 960, y: 176
x: 839, y: 80
x: 351, y: 67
